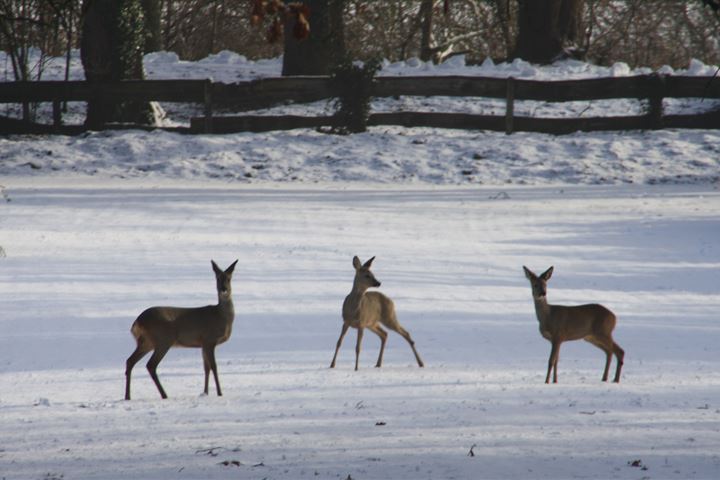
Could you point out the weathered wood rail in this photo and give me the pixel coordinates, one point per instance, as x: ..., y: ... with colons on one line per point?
x: 268, y: 92
x: 653, y: 88
x: 185, y: 91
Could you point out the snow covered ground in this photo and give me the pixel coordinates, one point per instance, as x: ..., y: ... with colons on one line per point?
x: 95, y: 228
x: 388, y: 155
x: 384, y: 155
x: 84, y: 257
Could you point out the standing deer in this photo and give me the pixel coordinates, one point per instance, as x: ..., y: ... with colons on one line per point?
x: 363, y: 309
x: 592, y: 323
x: 161, y: 328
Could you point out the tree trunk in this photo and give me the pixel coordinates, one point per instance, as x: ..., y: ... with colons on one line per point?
x: 111, y: 50
x: 426, y: 20
x: 506, y: 20
x: 548, y: 29
x: 325, y: 46
x: 153, y: 30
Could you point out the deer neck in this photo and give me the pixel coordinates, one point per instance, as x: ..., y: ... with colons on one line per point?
x: 225, y: 304
x: 352, y: 301
x: 542, y: 309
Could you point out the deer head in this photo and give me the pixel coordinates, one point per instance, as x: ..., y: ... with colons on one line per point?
x: 538, y: 283
x: 223, y: 280
x: 364, y: 278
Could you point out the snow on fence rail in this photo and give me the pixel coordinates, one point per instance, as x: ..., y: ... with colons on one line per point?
x: 267, y: 92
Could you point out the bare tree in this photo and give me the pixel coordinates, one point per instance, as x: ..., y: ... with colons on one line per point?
x: 382, y: 29
x: 323, y: 48
x: 111, y: 50
x: 506, y: 13
x: 153, y: 32
x: 548, y: 29
x: 651, y: 32
x: 638, y: 32
x: 426, y: 22
x: 31, y: 31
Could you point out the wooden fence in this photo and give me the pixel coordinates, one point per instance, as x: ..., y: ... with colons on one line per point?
x: 267, y: 92
x: 184, y: 91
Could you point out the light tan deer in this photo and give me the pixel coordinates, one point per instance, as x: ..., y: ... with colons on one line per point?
x: 363, y: 309
x: 158, y: 329
x: 593, y: 323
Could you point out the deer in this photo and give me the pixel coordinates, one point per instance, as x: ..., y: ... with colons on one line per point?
x: 362, y: 309
x: 158, y: 329
x: 558, y: 323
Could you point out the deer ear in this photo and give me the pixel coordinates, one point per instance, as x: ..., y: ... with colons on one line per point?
x: 356, y: 262
x: 216, y: 269
x: 368, y: 263
x: 547, y: 274
x: 530, y: 275
x: 231, y: 268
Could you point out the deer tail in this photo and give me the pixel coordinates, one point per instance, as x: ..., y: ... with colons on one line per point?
x: 136, y: 331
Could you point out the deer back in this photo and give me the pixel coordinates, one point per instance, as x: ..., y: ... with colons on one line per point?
x: 577, y: 322
x: 186, y: 327
x: 368, y: 310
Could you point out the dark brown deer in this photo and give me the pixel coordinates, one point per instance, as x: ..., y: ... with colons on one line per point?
x: 593, y: 323
x: 363, y: 309
x: 158, y: 329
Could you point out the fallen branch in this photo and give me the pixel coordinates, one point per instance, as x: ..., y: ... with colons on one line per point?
x: 471, y: 453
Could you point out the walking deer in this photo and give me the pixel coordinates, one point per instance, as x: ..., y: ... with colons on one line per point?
x: 592, y: 323
x: 363, y: 309
x: 158, y: 329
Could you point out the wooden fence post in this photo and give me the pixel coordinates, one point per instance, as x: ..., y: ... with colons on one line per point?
x: 208, y: 105
x: 509, y: 105
x: 655, y: 101
x: 57, y: 114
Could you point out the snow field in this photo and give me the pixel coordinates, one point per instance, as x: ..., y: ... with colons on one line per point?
x: 84, y: 255
x: 387, y: 155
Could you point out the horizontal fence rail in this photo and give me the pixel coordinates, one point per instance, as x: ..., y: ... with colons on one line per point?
x: 78, y: 91
x: 268, y: 92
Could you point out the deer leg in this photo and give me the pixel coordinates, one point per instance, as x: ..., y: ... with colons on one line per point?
x: 339, y: 342
x: 206, y: 367
x: 620, y: 355
x: 406, y: 335
x: 607, y: 365
x: 552, y: 362
x: 152, y: 364
x: 606, y: 346
x: 213, y: 366
x: 130, y: 363
x: 357, y: 347
x: 383, y: 338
